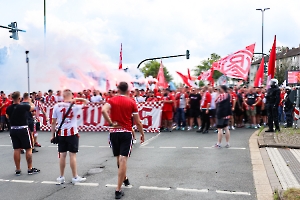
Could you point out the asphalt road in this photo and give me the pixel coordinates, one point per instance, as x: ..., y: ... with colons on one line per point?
x: 177, y: 165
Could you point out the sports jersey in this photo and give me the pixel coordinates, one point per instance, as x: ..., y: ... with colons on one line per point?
x: 251, y: 98
x: 50, y: 99
x: 69, y: 126
x: 195, y: 101
x: 168, y: 106
x: 205, y: 100
x: 181, y: 100
x: 59, y: 98
x: 259, y: 95
x: 281, y: 98
x: 6, y: 103
x: 121, y: 111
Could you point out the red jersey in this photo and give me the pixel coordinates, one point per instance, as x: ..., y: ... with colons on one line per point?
x: 50, y: 99
x: 281, y: 98
x: 205, y: 100
x: 5, y: 104
x: 121, y: 111
x: 168, y: 106
x: 259, y: 95
x: 233, y: 97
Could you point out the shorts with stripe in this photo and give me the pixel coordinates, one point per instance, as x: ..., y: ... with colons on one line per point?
x: 121, y: 143
x: 21, y: 138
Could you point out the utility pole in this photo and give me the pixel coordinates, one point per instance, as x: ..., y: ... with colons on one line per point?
x: 27, y: 61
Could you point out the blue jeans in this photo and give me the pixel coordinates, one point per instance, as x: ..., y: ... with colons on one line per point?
x: 180, y: 117
x: 280, y: 114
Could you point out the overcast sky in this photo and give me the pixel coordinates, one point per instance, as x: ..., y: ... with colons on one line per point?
x: 151, y: 28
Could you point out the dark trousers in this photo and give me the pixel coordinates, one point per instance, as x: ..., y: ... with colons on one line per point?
x: 289, y: 117
x: 205, y: 120
x: 272, y: 116
x: 180, y: 117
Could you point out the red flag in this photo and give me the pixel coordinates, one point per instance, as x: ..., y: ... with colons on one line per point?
x: 161, y: 81
x: 260, y: 74
x: 206, y: 76
x: 236, y: 65
x: 272, y: 59
x: 189, y: 74
x: 184, y: 78
x: 120, y: 63
x: 107, y: 85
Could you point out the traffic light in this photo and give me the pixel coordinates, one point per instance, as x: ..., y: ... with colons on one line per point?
x: 13, y: 30
x: 187, y: 54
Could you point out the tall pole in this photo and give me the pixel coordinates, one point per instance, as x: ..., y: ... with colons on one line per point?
x: 44, y: 19
x: 27, y: 61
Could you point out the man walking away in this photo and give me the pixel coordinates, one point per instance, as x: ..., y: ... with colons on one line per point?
x: 19, y: 133
x: 121, y: 109
x: 68, y: 138
x: 194, y: 109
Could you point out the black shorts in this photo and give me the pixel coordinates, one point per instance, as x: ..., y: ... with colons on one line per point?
x: 68, y: 143
x: 264, y: 112
x: 187, y: 113
x: 31, y: 127
x: 121, y: 143
x: 258, y: 110
x: 212, y: 113
x: 222, y: 123
x: 195, y: 113
x: 21, y: 138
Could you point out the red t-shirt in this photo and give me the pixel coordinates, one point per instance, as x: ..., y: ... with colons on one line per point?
x: 121, y: 111
x: 281, y: 98
x: 205, y: 100
x: 168, y: 106
x: 152, y: 99
x: 5, y: 105
x: 233, y: 97
x: 259, y: 95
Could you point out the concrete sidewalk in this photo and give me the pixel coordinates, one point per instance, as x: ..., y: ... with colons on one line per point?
x: 275, y: 167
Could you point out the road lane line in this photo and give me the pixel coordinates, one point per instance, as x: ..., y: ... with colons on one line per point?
x: 153, y: 188
x: 190, y: 147
x: 233, y: 148
x: 104, y: 146
x: 231, y: 192
x: 191, y: 190
x: 87, y: 146
x: 5, y: 145
x: 50, y: 182
x: 21, y: 181
x: 167, y: 147
x: 2, y: 180
x: 87, y: 184
x: 112, y: 185
x: 149, y: 140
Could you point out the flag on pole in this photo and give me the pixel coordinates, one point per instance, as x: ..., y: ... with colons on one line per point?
x: 120, y: 63
x: 260, y: 74
x: 161, y: 81
x: 185, y: 79
x: 271, y: 64
x: 236, y: 65
x: 189, y: 74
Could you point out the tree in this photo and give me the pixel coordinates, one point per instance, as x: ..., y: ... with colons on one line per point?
x: 281, y: 67
x: 151, y: 69
x: 207, y: 64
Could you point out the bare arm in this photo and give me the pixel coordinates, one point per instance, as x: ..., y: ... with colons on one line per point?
x: 85, y: 101
x: 139, y: 125
x: 53, y: 126
x: 105, y: 110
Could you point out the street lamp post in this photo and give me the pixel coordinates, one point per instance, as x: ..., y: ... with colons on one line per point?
x: 262, y: 28
x: 27, y: 61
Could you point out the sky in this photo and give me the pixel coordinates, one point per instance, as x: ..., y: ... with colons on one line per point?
x: 80, y: 31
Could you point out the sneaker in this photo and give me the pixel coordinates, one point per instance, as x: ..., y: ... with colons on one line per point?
x: 199, y: 131
x: 217, y: 146
x: 119, y: 194
x: 255, y: 127
x: 37, y: 144
x: 134, y: 141
x: 78, y: 179
x: 216, y: 131
x: 18, y: 172
x: 227, y: 146
x: 177, y: 128
x: 189, y: 128
x: 195, y: 127
x: 206, y: 131
x: 60, y: 180
x: 183, y: 129
x: 224, y: 132
x: 126, y: 182
x: 232, y: 128
x: 34, y: 151
x: 258, y: 126
x: 33, y: 171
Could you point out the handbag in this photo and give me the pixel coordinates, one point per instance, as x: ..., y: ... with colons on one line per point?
x: 55, y: 139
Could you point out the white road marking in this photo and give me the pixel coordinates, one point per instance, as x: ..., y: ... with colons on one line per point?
x: 192, y: 190
x: 147, y: 147
x: 87, y: 184
x: 50, y: 182
x: 21, y: 181
x: 190, y: 147
x: 167, y: 147
x: 5, y: 145
x: 112, y: 185
x: 149, y: 140
x: 230, y: 192
x: 104, y: 146
x: 233, y: 148
x: 86, y: 146
x: 2, y: 180
x: 154, y: 188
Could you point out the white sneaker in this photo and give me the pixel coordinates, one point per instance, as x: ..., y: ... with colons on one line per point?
x: 189, y: 128
x: 60, y: 180
x: 134, y: 141
x: 258, y: 126
x: 78, y: 179
x: 232, y: 128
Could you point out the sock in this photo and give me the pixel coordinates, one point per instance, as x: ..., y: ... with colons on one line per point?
x: 118, y: 166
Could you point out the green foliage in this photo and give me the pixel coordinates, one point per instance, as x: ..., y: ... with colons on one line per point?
x: 281, y: 68
x: 206, y: 65
x: 151, y: 68
x: 201, y: 84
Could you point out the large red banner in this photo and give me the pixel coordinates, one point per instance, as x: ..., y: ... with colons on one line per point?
x: 91, y: 119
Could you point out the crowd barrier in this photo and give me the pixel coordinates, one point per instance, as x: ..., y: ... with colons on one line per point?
x: 90, y: 117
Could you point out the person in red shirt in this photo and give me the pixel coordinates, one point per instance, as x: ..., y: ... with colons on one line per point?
x: 151, y: 98
x: 258, y: 106
x: 5, y: 103
x: 204, y: 107
x: 167, y: 111
x: 263, y: 106
x: 121, y: 109
x: 233, y: 99
x: 280, y: 107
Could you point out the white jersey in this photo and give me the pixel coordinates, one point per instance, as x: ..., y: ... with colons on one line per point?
x: 96, y: 99
x: 213, y: 100
x: 69, y: 126
x: 139, y: 99
x: 59, y: 99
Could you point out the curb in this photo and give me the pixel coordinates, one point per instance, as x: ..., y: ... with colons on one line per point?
x: 261, y: 181
x: 262, y: 144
